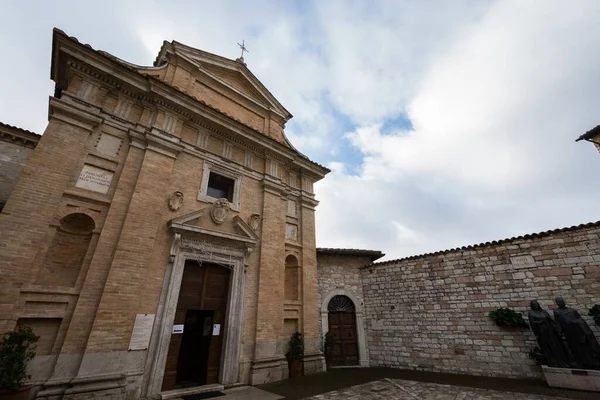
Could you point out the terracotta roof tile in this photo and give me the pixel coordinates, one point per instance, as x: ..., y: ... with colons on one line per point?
x: 3, y: 125
x: 492, y: 243
x: 373, y: 254
x: 589, y: 134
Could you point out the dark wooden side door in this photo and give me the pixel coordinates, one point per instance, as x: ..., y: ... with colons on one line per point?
x: 342, y: 324
x: 194, y: 357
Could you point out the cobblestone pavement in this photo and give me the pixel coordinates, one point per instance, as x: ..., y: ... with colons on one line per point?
x: 397, y: 389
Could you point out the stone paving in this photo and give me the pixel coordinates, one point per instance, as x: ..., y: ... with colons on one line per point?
x: 398, y: 389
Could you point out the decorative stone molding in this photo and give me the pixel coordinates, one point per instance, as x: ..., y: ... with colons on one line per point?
x: 224, y: 249
x: 175, y: 201
x: 163, y: 143
x: 254, y: 221
x: 73, y: 114
x: 218, y: 211
x: 226, y: 172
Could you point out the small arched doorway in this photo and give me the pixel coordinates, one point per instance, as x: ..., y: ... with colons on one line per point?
x: 342, y: 324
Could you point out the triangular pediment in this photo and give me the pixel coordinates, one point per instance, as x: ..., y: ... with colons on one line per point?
x: 233, y: 74
x: 236, y: 80
x: 236, y: 229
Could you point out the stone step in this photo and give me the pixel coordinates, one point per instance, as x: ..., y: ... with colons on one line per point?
x: 178, y: 393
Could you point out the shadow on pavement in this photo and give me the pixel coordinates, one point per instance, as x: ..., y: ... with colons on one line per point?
x: 340, y: 378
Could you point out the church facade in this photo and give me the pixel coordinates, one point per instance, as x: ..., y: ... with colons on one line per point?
x: 162, y: 234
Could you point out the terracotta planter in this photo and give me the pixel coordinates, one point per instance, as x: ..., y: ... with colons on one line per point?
x: 295, y: 367
x: 22, y: 394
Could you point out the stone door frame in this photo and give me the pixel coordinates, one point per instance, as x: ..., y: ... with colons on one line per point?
x: 363, y: 356
x: 190, y: 247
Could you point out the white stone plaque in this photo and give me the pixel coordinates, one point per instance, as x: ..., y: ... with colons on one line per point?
x: 177, y: 328
x: 525, y: 261
x: 142, y: 329
x: 216, y: 329
x: 94, y: 179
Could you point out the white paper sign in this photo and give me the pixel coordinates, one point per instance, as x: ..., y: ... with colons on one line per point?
x: 142, y: 329
x: 216, y: 329
x: 177, y: 329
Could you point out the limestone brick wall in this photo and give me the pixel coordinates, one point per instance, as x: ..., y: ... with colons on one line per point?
x: 340, y: 272
x: 431, y: 312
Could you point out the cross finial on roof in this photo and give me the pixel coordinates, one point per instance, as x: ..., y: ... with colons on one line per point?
x: 244, y: 49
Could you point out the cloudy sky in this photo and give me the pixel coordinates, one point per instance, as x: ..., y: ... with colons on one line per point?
x: 445, y: 123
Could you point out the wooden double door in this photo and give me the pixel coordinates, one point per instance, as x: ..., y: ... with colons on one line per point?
x: 342, y: 325
x: 194, y: 356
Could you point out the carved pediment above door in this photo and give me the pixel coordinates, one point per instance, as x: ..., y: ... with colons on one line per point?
x: 238, y: 231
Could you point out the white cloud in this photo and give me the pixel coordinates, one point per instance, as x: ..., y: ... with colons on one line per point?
x: 492, y: 153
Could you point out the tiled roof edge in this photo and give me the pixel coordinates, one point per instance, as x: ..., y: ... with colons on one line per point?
x: 488, y: 244
x: 589, y: 134
x: 373, y: 254
x: 2, y: 124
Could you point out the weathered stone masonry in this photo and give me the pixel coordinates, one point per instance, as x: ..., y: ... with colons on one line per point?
x: 430, y: 312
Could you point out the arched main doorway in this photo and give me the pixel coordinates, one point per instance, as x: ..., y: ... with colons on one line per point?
x: 342, y: 324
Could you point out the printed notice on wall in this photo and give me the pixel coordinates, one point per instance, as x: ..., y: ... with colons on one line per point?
x: 142, y: 329
x: 95, y: 179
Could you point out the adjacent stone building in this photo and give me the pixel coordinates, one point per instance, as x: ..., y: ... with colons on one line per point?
x: 341, y: 302
x: 162, y: 233
x: 16, y: 145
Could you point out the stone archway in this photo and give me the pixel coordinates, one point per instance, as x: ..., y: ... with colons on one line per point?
x: 363, y: 357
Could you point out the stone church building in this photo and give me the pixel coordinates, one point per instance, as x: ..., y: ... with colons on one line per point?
x: 162, y: 233
x: 160, y: 240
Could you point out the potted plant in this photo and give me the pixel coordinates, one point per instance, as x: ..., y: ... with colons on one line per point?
x: 295, y: 354
x: 508, y: 317
x: 328, y: 348
x: 17, y: 348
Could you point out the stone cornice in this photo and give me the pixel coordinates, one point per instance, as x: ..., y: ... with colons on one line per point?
x: 163, y: 143
x: 73, y: 114
x: 273, y: 186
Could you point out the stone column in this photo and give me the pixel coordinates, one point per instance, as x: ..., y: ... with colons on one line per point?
x: 269, y: 363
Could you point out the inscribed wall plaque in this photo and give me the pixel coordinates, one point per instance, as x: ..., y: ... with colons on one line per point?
x: 94, y: 179
x: 142, y: 329
x: 525, y: 261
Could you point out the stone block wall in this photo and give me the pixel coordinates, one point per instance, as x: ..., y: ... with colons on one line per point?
x: 16, y: 145
x: 339, y: 274
x: 430, y: 312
